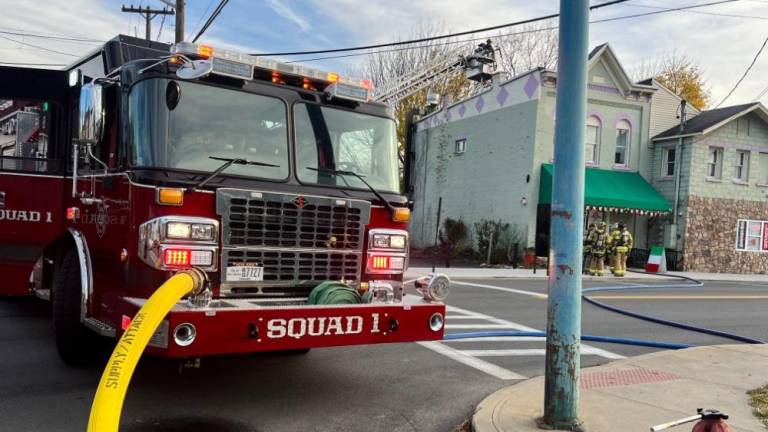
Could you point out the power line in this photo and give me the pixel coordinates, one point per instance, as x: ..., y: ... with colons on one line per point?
x: 760, y: 95
x: 445, y: 36
x: 37, y: 46
x: 213, y: 16
x: 701, y: 12
x: 43, y: 36
x: 754, y: 60
x: 30, y: 64
x: 162, y: 22
x: 598, y: 21
x: 207, y: 8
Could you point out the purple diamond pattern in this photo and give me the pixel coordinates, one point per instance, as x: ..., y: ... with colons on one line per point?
x: 531, y: 86
x: 501, y: 98
x: 462, y: 110
x: 480, y: 104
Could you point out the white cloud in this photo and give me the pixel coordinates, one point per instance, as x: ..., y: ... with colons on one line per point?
x: 286, y: 12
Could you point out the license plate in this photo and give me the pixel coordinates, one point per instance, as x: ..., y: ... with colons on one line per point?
x: 245, y: 273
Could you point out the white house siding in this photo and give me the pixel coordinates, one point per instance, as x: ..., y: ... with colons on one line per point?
x: 664, y: 109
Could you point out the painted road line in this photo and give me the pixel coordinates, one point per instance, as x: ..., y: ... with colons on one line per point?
x: 498, y: 339
x: 522, y: 352
x: 474, y: 362
x: 461, y: 317
x: 680, y: 297
x: 477, y: 326
x: 499, y: 288
x: 594, y: 350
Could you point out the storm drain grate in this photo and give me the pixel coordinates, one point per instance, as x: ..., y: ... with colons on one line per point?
x: 623, y: 377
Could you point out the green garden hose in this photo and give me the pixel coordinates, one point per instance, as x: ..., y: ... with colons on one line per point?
x: 333, y: 293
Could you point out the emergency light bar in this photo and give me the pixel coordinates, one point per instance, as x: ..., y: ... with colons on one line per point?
x: 239, y: 65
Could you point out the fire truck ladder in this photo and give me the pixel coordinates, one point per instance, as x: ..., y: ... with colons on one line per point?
x: 478, y: 66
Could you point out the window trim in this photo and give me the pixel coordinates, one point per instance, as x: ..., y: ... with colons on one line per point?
x: 718, y: 162
x: 762, y: 236
x: 741, y: 165
x: 628, y: 145
x: 596, y: 153
x: 463, y: 142
x: 762, y: 171
x: 665, y: 162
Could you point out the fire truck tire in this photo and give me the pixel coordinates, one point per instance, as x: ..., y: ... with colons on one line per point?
x: 77, y: 345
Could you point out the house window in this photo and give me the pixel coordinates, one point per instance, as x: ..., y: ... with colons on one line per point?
x: 669, y: 157
x: 461, y: 146
x: 763, y: 169
x: 741, y: 168
x: 592, y: 144
x: 715, y: 164
x: 752, y: 235
x: 622, y: 143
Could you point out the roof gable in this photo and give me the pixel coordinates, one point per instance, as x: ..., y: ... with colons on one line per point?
x: 602, y: 56
x: 711, y: 120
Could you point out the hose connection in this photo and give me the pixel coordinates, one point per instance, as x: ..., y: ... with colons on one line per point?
x: 201, y: 294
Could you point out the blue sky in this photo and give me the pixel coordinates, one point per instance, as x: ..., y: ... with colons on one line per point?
x: 722, y: 45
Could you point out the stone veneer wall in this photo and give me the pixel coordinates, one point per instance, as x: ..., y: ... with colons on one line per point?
x: 710, y: 236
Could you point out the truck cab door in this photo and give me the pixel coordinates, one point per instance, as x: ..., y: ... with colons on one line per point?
x: 33, y: 114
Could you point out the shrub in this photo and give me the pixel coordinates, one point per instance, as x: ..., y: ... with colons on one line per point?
x: 452, y: 237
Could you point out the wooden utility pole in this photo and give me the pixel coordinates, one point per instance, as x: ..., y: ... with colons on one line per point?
x: 148, y: 14
x: 179, y: 20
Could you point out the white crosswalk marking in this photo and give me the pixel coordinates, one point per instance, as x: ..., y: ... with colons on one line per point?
x: 471, y: 357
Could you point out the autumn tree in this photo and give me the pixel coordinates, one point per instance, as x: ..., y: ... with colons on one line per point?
x: 680, y: 74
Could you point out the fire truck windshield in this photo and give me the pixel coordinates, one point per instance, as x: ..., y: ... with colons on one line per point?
x: 329, y: 139
x: 176, y: 124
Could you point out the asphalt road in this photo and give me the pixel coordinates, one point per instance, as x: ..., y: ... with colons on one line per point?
x: 406, y: 387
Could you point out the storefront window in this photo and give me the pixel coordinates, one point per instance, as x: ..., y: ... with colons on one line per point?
x: 752, y: 236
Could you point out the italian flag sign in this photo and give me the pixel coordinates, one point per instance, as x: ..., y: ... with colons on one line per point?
x: 657, y: 261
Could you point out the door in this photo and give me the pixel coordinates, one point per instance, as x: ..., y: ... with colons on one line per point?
x: 33, y: 113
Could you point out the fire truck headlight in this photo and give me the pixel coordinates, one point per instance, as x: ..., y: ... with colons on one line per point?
x: 178, y: 230
x: 388, y: 239
x: 203, y: 232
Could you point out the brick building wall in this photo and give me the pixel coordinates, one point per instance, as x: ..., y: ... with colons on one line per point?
x: 711, y: 236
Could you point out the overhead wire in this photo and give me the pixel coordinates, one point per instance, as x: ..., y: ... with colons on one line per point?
x: 554, y: 27
x: 37, y: 46
x: 444, y: 36
x: 207, y: 8
x: 213, y: 16
x: 44, y: 36
x: 162, y: 22
x: 746, y: 72
x: 701, y: 12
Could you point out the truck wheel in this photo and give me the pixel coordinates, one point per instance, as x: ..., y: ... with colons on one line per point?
x: 77, y: 345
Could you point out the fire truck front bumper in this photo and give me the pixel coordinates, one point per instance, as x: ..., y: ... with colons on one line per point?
x: 229, y: 326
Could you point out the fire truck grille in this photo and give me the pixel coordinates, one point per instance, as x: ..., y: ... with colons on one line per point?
x: 292, y: 221
x: 299, y: 241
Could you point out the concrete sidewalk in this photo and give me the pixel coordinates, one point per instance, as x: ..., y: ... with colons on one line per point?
x: 510, y: 273
x: 637, y: 393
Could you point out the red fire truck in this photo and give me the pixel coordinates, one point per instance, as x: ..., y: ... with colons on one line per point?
x: 273, y: 178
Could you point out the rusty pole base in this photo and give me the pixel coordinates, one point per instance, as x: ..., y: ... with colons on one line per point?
x: 575, y: 426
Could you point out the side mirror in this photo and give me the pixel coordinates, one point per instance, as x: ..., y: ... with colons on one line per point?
x: 194, y: 69
x: 90, y: 125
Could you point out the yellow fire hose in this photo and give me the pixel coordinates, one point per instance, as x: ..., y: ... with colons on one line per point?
x: 108, y: 402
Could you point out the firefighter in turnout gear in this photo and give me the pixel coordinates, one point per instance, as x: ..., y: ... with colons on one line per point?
x: 613, y: 234
x: 621, y: 242
x: 598, y: 241
x: 586, y: 263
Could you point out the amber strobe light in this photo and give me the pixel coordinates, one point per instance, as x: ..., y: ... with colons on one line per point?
x: 170, y: 196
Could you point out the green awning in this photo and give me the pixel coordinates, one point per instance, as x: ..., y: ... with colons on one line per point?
x: 611, y: 190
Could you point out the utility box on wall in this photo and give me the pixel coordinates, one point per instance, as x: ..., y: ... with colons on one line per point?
x: 670, y: 236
